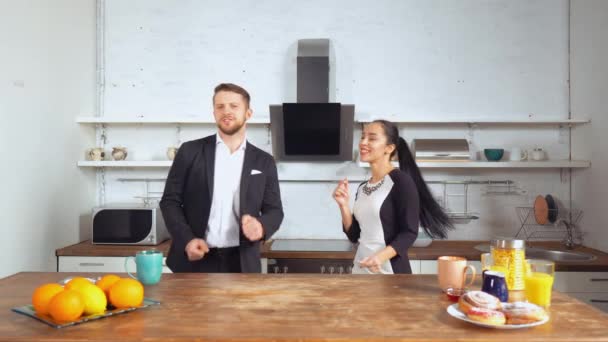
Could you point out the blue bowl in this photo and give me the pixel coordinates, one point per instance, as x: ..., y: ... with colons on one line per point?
x: 493, y: 154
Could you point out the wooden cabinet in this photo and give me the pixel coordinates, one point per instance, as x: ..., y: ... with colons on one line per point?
x: 97, y: 264
x: 87, y: 257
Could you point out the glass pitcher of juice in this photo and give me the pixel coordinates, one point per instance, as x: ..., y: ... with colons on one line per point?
x: 510, y: 254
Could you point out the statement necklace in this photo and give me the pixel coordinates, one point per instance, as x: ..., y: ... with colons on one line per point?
x: 368, y: 190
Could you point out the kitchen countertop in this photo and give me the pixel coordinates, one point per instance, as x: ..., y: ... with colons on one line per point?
x: 464, y: 249
x: 86, y: 248
x: 290, y: 307
x: 432, y: 252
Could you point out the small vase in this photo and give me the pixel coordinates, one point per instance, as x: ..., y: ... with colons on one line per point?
x: 119, y: 153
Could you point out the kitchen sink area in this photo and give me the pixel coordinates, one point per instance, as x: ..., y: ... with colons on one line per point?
x: 549, y: 254
x: 561, y: 256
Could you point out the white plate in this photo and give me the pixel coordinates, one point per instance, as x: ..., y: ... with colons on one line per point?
x: 455, y: 312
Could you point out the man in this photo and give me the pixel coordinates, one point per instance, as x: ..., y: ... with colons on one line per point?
x: 222, y: 194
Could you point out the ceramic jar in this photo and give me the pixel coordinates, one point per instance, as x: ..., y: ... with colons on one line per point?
x: 96, y: 154
x: 171, y: 152
x: 119, y: 153
x: 537, y: 154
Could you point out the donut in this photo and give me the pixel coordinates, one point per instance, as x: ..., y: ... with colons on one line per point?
x: 487, y: 316
x: 478, y: 299
x: 523, y: 313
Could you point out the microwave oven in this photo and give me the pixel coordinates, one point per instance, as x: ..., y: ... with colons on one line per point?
x: 128, y: 225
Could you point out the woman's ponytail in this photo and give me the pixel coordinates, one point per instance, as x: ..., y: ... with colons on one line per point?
x: 433, y: 218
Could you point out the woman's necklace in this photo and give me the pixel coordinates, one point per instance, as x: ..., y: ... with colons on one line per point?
x: 368, y: 190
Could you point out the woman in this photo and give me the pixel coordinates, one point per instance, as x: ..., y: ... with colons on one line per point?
x: 390, y: 206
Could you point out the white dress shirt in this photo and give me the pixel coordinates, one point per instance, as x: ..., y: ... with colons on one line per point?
x: 223, y: 227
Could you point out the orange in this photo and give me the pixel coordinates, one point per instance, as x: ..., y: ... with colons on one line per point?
x: 66, y: 306
x: 126, y: 293
x: 43, y: 295
x: 95, y: 301
x: 106, y: 282
x: 77, y: 282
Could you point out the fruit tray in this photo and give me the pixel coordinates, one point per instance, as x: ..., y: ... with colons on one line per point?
x: 28, y: 310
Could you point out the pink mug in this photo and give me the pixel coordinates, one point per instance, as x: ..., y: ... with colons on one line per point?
x: 452, y: 272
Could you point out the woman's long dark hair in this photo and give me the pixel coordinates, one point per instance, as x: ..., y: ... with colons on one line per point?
x: 433, y: 218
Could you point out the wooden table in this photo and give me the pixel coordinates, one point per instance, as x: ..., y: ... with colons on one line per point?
x: 284, y: 307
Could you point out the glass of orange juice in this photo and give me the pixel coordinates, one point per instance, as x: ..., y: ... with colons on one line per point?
x: 539, y: 281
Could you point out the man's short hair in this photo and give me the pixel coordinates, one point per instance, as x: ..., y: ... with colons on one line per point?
x: 233, y: 88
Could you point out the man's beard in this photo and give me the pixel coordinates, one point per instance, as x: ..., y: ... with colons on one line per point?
x: 237, y: 127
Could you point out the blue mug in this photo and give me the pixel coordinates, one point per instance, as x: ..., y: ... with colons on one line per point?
x: 149, y: 266
x: 495, y: 284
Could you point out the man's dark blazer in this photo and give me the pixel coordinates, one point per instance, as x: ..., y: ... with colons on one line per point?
x: 186, y: 201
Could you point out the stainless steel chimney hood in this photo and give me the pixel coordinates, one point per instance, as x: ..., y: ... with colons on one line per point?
x: 312, y: 129
x: 313, y: 71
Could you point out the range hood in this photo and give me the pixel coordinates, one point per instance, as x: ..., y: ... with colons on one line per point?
x: 313, y: 71
x: 312, y: 129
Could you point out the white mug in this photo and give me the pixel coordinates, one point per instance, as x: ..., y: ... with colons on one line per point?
x: 517, y: 155
x: 537, y: 154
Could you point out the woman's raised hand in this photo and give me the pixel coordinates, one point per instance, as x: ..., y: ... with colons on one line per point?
x: 341, y: 194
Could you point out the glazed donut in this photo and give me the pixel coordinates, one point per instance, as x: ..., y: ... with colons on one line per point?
x: 478, y: 299
x: 487, y: 316
x: 523, y: 313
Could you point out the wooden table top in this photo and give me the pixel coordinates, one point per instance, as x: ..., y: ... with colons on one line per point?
x: 437, y: 248
x: 290, y: 307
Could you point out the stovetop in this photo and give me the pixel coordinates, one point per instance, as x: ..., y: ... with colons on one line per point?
x: 318, y: 245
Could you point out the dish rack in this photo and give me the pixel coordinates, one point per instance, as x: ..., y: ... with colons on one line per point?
x: 564, y: 228
x: 502, y: 187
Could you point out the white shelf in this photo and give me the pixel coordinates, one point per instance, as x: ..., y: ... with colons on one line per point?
x: 126, y: 163
x: 424, y: 165
x: 158, y: 120
x: 497, y: 165
x: 489, y: 121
